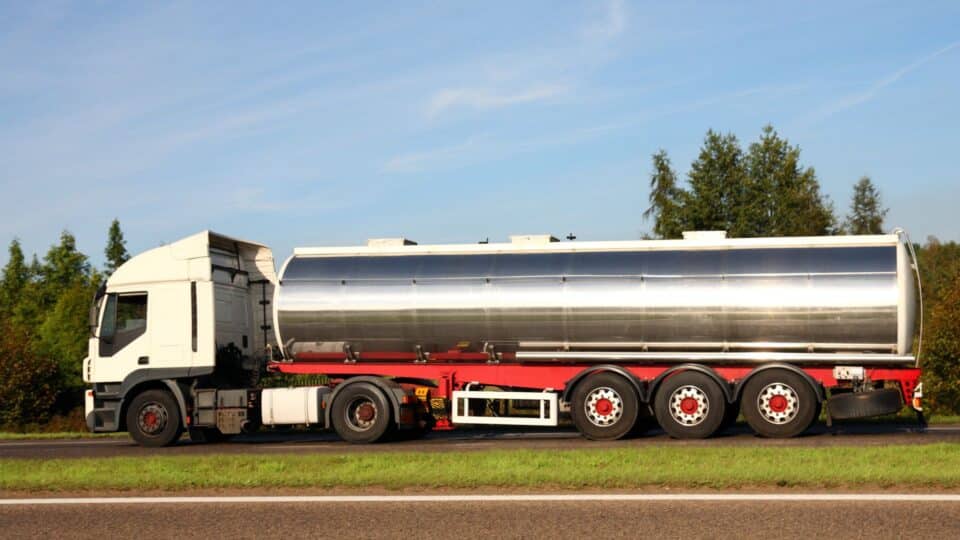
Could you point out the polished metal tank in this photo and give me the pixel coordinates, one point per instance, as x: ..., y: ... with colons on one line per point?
x: 796, y: 295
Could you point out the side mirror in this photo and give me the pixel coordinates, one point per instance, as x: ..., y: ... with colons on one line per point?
x: 92, y: 319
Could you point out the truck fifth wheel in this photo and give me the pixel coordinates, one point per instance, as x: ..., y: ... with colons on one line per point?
x: 413, y: 337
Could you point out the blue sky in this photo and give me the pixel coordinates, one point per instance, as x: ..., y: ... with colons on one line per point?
x: 318, y: 124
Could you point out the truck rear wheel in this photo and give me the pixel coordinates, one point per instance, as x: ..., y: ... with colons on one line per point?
x: 778, y: 403
x: 605, y: 407
x: 153, y: 418
x: 361, y: 414
x: 690, y: 405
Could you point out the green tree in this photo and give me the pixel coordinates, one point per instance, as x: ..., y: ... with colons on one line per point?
x: 63, y: 266
x: 866, y: 209
x: 666, y: 199
x: 717, y: 181
x: 781, y: 197
x: 15, y: 276
x: 941, y: 352
x: 62, y: 337
x: 116, y: 250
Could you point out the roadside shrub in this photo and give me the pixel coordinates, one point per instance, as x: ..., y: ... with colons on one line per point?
x: 941, y: 358
x: 28, y: 384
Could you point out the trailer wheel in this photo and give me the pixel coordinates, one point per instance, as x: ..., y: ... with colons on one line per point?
x: 361, y: 414
x: 690, y: 405
x: 153, y: 418
x: 605, y: 407
x: 778, y: 403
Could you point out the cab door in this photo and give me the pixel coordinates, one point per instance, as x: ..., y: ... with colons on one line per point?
x: 123, y: 345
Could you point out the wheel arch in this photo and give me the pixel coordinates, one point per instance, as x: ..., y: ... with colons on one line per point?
x: 814, y: 384
x: 391, y: 389
x: 725, y: 387
x: 571, y: 384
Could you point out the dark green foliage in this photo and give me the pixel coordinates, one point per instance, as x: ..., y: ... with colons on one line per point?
x: 29, y: 384
x: 941, y: 351
x: 866, y: 211
x: 15, y: 276
x: 43, y: 312
x: 781, y: 198
x: 717, y: 181
x: 666, y: 199
x: 765, y: 192
x: 940, y: 357
x: 116, y: 250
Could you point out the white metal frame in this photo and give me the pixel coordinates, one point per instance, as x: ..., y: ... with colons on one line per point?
x: 549, y: 408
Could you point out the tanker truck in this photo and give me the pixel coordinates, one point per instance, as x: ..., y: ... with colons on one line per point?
x: 611, y: 337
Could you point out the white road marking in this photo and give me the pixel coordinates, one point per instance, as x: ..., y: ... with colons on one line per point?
x: 579, y: 497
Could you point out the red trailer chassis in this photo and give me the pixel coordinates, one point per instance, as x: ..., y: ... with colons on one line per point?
x: 454, y: 370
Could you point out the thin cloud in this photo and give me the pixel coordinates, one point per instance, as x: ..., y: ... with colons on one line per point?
x: 485, y: 98
x: 612, y: 25
x: 419, y: 161
x: 854, y: 100
x: 485, y: 148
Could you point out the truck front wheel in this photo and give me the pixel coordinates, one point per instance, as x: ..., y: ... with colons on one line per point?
x: 361, y: 413
x: 605, y: 407
x: 153, y: 418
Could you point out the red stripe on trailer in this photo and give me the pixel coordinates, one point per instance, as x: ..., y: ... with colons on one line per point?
x: 451, y: 376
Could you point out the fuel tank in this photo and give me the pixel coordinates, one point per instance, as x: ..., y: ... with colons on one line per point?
x: 798, y: 294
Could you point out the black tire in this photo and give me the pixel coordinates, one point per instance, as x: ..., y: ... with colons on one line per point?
x: 865, y: 404
x: 690, y: 405
x: 153, y: 418
x: 361, y: 414
x: 605, y: 407
x: 779, y: 403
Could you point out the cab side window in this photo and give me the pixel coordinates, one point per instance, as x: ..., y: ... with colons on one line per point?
x: 124, y: 320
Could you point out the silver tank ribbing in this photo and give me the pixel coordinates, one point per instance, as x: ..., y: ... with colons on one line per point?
x: 804, y: 295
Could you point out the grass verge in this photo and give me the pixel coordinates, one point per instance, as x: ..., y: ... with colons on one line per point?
x: 926, y: 466
x: 13, y: 436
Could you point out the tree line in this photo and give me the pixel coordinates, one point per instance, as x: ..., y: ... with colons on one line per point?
x: 43, y: 327
x: 763, y: 191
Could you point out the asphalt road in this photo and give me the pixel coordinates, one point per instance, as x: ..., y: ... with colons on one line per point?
x: 536, y: 519
x: 272, y: 443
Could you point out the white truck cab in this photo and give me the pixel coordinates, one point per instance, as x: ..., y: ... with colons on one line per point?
x: 172, y: 315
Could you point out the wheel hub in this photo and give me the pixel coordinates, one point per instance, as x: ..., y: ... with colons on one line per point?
x: 152, y: 418
x: 603, y: 407
x: 361, y: 414
x: 689, y: 405
x: 778, y: 403
x: 366, y: 412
